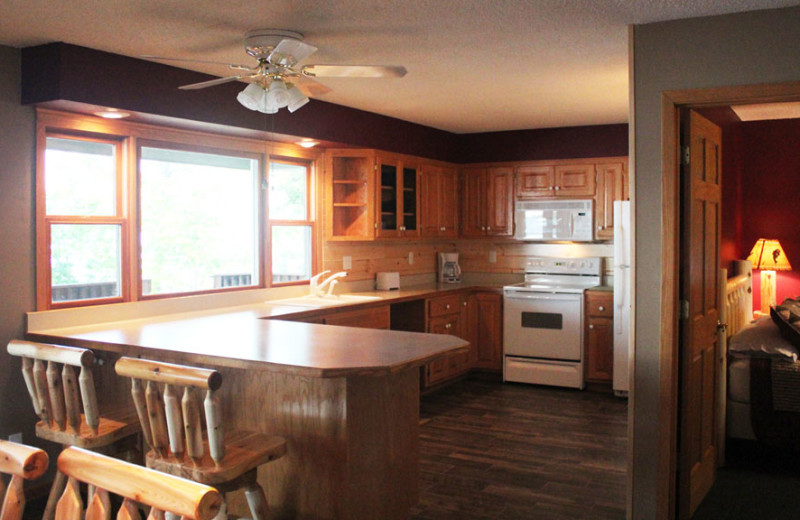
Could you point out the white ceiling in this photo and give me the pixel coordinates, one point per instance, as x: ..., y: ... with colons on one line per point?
x: 473, y: 65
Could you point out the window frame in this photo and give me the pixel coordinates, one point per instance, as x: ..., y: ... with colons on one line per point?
x: 129, y: 137
x: 310, y: 218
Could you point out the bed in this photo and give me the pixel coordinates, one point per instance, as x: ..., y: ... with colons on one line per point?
x: 761, y: 372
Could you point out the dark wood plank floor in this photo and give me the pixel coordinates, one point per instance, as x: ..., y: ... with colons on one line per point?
x: 511, y: 451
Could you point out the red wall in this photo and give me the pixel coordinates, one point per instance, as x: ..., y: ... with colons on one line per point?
x: 761, y: 195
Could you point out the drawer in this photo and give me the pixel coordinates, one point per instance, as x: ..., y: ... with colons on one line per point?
x: 442, y: 305
x: 600, y: 303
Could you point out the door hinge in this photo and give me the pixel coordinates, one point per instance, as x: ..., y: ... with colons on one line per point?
x: 684, y: 309
x: 686, y: 155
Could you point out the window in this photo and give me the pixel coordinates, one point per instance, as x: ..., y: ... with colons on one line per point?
x: 83, y: 224
x: 129, y: 211
x: 199, y: 220
x: 291, y: 225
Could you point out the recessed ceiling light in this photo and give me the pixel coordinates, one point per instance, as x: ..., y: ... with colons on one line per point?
x: 308, y: 143
x: 112, y: 113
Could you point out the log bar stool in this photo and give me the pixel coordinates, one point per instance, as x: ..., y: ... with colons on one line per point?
x: 135, y: 484
x: 22, y: 463
x: 56, y: 400
x: 172, y: 428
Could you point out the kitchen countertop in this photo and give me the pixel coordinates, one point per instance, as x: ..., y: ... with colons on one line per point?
x: 239, y: 337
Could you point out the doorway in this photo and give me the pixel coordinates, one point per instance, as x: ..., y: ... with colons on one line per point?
x: 673, y: 103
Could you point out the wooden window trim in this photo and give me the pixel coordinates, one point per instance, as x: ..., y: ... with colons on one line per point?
x: 129, y: 137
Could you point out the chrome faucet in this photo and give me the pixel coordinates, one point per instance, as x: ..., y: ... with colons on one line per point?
x: 329, y: 282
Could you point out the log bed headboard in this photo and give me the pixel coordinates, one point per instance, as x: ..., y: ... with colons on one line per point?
x: 736, y: 310
x: 737, y: 297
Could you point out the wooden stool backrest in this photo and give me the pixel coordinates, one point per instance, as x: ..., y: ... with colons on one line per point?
x: 22, y: 463
x: 55, y: 395
x: 176, y: 422
x: 162, y: 492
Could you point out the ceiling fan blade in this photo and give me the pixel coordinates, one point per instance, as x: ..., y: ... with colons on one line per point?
x: 308, y: 86
x: 290, y: 51
x: 353, y: 71
x: 164, y: 58
x: 213, y: 82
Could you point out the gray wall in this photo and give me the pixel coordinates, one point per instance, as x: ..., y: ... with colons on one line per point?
x: 741, y: 49
x: 17, y: 242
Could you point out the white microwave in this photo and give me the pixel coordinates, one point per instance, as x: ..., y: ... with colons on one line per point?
x: 554, y: 220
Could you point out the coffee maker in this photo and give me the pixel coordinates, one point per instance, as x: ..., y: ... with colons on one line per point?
x: 449, y: 270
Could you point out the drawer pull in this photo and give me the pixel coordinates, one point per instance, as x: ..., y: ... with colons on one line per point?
x: 449, y: 326
x: 601, y: 308
x: 447, y: 306
x: 591, y: 326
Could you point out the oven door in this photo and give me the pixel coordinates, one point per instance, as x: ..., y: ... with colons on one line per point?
x: 543, y: 325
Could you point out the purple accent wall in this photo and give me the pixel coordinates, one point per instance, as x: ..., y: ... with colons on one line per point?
x: 547, y: 143
x: 60, y: 71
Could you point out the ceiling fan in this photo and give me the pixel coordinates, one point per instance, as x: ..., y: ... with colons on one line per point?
x: 277, y: 80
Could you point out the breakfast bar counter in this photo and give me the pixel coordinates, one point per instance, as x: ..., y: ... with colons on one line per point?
x: 346, y: 399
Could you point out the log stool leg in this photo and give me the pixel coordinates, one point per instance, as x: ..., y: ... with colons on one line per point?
x: 59, y: 483
x: 257, y: 501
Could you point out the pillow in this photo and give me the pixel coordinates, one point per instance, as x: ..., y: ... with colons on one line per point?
x: 787, y: 317
x: 761, y: 338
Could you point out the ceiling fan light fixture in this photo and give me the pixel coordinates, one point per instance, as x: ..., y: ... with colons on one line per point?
x: 253, y: 97
x: 278, y: 95
x: 296, y: 99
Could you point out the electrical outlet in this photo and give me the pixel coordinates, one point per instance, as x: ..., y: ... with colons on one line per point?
x: 492, y: 256
x: 347, y: 262
x: 16, y: 437
x: 410, y: 258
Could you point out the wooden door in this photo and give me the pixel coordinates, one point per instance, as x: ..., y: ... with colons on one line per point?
x: 574, y: 180
x: 473, y: 202
x: 535, y: 182
x: 499, y: 201
x: 448, y: 203
x: 430, y: 183
x: 700, y: 215
x: 609, y: 189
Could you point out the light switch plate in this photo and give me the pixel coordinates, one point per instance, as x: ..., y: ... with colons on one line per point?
x: 347, y: 262
x: 492, y: 256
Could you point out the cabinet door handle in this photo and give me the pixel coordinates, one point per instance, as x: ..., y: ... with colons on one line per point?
x: 591, y: 326
x: 601, y: 308
x: 447, y: 306
x: 448, y: 326
x: 464, y: 304
x: 599, y: 228
x: 557, y: 188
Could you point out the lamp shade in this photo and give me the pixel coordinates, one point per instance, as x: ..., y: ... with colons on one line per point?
x: 768, y: 255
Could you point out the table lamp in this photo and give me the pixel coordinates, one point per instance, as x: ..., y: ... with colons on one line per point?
x: 768, y: 256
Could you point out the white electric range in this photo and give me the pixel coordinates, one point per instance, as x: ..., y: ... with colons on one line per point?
x: 543, y: 321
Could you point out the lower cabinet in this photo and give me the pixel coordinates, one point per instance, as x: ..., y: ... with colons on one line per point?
x: 475, y: 316
x: 599, y: 337
x: 376, y: 317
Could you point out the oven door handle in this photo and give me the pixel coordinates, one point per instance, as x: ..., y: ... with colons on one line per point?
x: 524, y: 295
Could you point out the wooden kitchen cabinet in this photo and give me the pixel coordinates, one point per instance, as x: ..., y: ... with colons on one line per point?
x: 487, y: 201
x: 489, y: 331
x: 555, y: 180
x: 612, y: 184
x: 444, y: 316
x: 599, y: 337
x: 349, y: 199
x: 438, y: 201
x: 397, y: 197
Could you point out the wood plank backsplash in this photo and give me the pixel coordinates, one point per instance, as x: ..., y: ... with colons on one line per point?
x: 371, y: 257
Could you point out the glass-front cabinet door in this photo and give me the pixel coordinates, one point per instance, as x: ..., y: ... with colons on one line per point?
x: 398, y: 197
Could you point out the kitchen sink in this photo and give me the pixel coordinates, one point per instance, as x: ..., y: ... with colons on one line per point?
x: 326, y: 301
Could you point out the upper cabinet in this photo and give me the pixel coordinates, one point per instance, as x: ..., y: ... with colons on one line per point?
x: 349, y: 200
x: 612, y: 184
x: 438, y: 201
x: 487, y: 201
x: 559, y: 180
x: 398, y: 197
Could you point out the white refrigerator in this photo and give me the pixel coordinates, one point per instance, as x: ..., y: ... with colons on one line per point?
x: 623, y: 292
